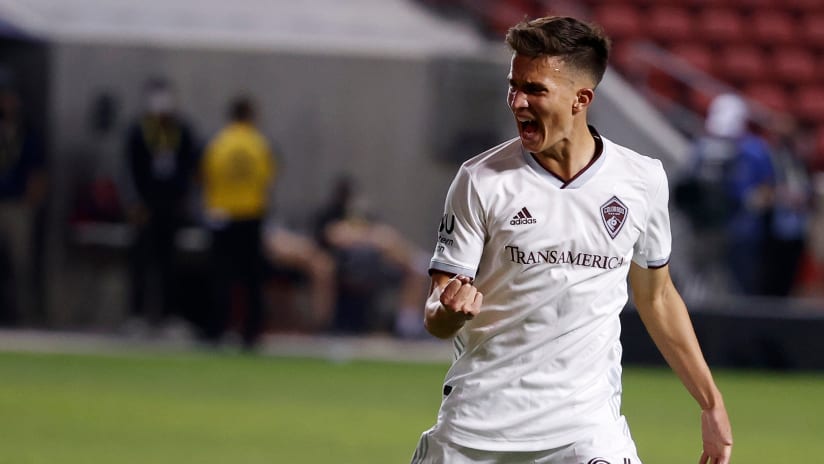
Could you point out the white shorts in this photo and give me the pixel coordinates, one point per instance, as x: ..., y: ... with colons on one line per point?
x: 607, y: 445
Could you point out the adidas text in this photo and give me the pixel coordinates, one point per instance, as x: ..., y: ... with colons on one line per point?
x: 519, y: 221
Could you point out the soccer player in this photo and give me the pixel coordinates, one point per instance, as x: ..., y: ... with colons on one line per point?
x: 529, y: 276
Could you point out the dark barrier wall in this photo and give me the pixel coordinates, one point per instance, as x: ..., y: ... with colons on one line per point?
x: 758, y: 339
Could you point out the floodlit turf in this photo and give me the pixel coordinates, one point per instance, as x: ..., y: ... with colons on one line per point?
x: 777, y: 417
x: 210, y: 408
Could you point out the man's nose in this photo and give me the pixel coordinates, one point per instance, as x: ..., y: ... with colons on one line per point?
x: 517, y: 99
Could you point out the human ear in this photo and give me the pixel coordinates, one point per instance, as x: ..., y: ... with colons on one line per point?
x: 583, y: 98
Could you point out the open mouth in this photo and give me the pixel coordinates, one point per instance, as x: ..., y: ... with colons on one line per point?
x: 528, y: 126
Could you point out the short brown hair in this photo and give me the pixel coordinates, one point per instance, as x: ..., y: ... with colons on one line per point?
x: 581, y: 45
x: 242, y: 109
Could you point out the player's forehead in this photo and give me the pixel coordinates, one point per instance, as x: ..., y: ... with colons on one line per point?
x: 542, y: 68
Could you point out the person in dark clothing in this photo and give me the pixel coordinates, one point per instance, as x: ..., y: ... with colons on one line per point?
x: 161, y: 161
x: 22, y: 195
x: 728, y: 197
x: 792, y: 208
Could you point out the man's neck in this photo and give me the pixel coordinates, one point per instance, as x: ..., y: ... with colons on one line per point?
x: 569, y: 156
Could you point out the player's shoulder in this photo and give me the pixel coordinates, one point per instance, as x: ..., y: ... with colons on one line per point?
x: 634, y: 161
x: 506, y: 155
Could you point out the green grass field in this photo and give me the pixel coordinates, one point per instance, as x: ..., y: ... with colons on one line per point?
x: 222, y: 408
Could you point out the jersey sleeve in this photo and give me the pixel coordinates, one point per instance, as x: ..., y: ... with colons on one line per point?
x: 461, y: 233
x: 654, y: 246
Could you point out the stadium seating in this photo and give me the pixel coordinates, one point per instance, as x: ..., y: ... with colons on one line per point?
x: 772, y: 26
x: 811, y: 30
x: 696, y: 54
x: 772, y: 51
x: 769, y: 94
x: 737, y: 63
x: 809, y: 102
x: 793, y: 65
x: 720, y: 24
x: 669, y: 24
x: 622, y: 22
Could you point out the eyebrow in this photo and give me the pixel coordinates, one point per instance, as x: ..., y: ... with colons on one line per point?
x: 527, y: 86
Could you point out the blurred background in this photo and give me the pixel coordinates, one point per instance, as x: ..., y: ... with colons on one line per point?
x: 185, y: 183
x: 115, y: 217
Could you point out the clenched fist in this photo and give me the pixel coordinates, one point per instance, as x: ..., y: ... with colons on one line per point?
x: 451, y: 303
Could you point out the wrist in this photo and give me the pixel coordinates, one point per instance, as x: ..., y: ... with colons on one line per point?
x: 712, y: 401
x: 439, y: 321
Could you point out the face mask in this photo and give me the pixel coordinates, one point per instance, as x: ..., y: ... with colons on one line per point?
x: 161, y: 102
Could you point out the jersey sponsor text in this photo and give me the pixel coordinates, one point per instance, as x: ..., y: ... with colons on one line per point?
x: 447, y: 223
x: 576, y: 258
x: 445, y: 241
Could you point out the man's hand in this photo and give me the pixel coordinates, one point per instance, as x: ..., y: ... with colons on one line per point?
x: 717, y: 435
x: 460, y: 298
x: 451, y: 304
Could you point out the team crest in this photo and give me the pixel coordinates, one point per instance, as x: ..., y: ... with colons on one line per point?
x: 614, y: 214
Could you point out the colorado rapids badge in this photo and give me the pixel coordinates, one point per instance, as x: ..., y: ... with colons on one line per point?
x: 614, y: 214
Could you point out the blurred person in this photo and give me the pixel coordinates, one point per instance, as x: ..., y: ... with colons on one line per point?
x: 23, y: 189
x: 371, y: 257
x: 788, y: 225
x: 811, y: 278
x: 238, y: 175
x: 161, y: 159
x: 727, y: 196
x: 529, y: 276
x: 289, y: 252
x: 750, y: 184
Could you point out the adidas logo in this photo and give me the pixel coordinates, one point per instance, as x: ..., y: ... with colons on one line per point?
x: 523, y: 217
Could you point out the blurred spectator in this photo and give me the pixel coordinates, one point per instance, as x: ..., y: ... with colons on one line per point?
x: 23, y: 188
x: 299, y: 258
x: 372, y: 257
x: 96, y: 196
x: 792, y: 208
x: 703, y: 194
x: 161, y: 161
x: 811, y: 275
x: 751, y: 184
x: 238, y: 173
x: 728, y: 195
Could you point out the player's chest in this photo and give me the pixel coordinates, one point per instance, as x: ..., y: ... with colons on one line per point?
x: 596, y: 219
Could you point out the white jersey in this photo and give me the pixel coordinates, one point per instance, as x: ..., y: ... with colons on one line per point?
x: 539, y: 366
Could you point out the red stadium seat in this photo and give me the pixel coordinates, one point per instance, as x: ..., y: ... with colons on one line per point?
x: 692, y: 4
x: 560, y: 8
x: 793, y: 65
x: 809, y: 103
x: 620, y: 21
x: 669, y: 23
x: 803, y: 6
x: 812, y: 30
x: 695, y: 54
x: 741, y: 63
x: 500, y: 16
x: 773, y: 27
x: 720, y: 25
x: 816, y: 157
x: 752, y: 5
x: 771, y: 95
